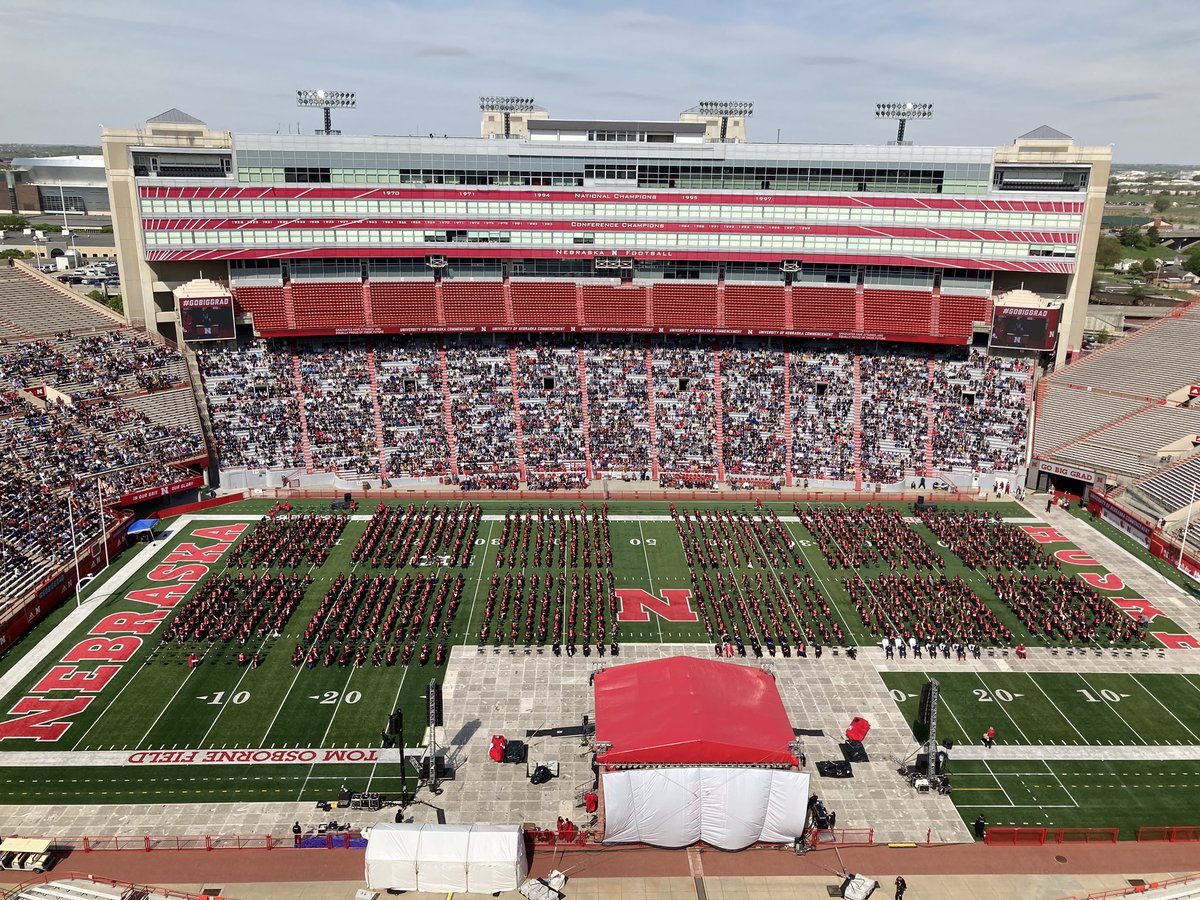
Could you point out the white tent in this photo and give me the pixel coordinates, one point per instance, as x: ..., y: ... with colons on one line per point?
x: 730, y: 808
x: 479, y: 859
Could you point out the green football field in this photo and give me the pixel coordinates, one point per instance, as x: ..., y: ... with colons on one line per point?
x: 157, y: 703
x: 1077, y: 794
x: 1051, y: 708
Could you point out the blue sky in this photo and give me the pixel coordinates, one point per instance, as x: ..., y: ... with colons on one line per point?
x: 1104, y: 71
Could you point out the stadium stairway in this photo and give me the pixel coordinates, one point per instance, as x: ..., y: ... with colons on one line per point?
x: 376, y: 415
x: 935, y: 311
x: 302, y: 415
x: 788, y: 430
x: 369, y: 318
x: 583, y: 409
x: 857, y: 459
x: 650, y: 412
x: 721, y: 303
x: 516, y: 398
x: 448, y: 417
x: 930, y: 420
x: 718, y: 415
x: 860, y: 308
x: 289, y: 309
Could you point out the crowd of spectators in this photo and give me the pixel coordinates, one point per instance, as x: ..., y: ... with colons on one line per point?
x: 979, y: 413
x: 822, y: 395
x: 894, y: 415
x: 618, y: 409
x: 252, y: 403
x: 93, y: 365
x: 685, y: 412
x: 336, y: 388
x: 753, y: 410
x: 70, y: 428
x: 411, y: 408
x: 547, y: 383
x: 481, y: 404
x: 957, y: 411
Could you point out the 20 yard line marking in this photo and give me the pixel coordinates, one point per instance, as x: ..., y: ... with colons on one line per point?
x: 325, y: 736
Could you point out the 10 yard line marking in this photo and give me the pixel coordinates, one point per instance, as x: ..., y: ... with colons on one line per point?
x: 1110, y: 706
x: 162, y: 712
x: 1056, y: 709
x: 1163, y: 705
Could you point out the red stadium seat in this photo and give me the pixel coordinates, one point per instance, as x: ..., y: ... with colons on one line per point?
x: 685, y: 305
x: 822, y: 308
x: 614, y: 305
x: 958, y: 314
x: 755, y: 306
x: 400, y: 304
x: 544, y: 303
x: 470, y: 303
x: 328, y: 303
x: 264, y: 303
x: 897, y: 312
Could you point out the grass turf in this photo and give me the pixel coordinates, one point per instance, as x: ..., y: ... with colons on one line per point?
x: 158, y: 703
x: 1077, y: 794
x: 1050, y: 708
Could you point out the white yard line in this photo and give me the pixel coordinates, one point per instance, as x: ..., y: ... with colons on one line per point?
x: 487, y: 543
x: 166, y: 706
x: 649, y: 574
x: 999, y: 784
x: 328, y: 728
x: 1060, y: 783
x: 1056, y: 708
x: 833, y: 604
x: 1096, y: 693
x: 996, y: 701
x: 1165, y: 707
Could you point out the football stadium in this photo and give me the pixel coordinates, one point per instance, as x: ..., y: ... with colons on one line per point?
x: 594, y: 488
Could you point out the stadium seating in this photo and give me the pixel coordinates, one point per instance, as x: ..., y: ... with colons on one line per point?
x: 958, y: 313
x: 822, y: 394
x: 753, y: 410
x: 399, y: 304
x: 618, y: 407
x: 823, y: 308
x: 1149, y: 364
x: 32, y: 308
x: 896, y: 312
x: 328, y: 303
x: 481, y: 405
x: 1132, y: 447
x: 755, y: 306
x: 979, y: 410
x: 614, y: 304
x: 687, y: 304
x: 410, y: 406
x: 1172, y: 487
x: 540, y: 304
x: 264, y: 302
x: 1066, y: 413
x: 337, y: 407
x: 684, y: 412
x: 473, y: 303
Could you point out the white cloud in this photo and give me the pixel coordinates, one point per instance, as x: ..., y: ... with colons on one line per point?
x: 1105, y: 71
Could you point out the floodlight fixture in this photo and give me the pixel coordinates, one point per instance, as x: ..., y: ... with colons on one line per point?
x: 903, y: 112
x: 726, y: 108
x: 326, y: 100
x: 507, y: 104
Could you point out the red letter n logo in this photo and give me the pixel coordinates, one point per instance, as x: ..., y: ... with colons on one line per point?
x: 636, y: 605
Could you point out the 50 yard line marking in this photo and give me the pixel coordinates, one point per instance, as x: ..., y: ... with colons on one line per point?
x: 487, y: 543
x: 650, y: 576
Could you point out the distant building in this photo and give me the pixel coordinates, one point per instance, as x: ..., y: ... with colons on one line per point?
x: 49, y: 184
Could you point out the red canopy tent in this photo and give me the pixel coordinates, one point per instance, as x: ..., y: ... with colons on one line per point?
x: 688, y: 711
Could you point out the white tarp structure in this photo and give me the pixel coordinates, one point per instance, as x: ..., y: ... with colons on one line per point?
x: 477, y: 859
x: 730, y: 808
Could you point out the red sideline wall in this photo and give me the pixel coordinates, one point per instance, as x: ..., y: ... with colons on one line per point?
x: 199, y: 505
x: 1138, y: 529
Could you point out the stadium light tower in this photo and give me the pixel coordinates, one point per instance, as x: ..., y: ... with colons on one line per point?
x: 326, y: 100
x: 725, y: 110
x: 903, y: 112
x: 507, y: 105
